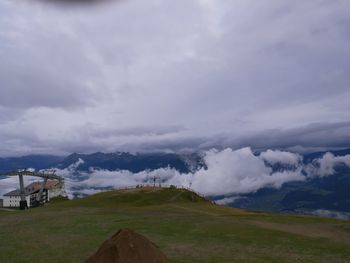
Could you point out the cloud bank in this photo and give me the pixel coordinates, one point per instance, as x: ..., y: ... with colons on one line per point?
x: 177, y: 75
x: 8, y: 184
x: 279, y: 157
x: 325, y: 166
x: 229, y: 173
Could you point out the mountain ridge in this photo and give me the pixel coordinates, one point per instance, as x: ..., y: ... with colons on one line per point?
x: 315, y: 193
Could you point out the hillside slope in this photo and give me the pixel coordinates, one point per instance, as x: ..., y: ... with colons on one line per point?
x: 186, y: 227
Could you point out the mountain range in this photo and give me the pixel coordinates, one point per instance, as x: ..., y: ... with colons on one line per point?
x: 184, y: 163
x: 326, y: 194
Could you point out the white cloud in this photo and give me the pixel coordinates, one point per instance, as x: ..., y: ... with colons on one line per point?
x: 11, y: 183
x: 325, y: 166
x: 238, y: 172
x: 329, y: 213
x: 280, y: 157
x: 229, y: 172
x: 227, y: 200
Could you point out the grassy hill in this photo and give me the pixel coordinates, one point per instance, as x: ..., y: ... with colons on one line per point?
x: 186, y: 227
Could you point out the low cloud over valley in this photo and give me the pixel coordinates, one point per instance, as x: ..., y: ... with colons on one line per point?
x: 228, y: 172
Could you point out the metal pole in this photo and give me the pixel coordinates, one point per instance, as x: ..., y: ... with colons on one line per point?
x: 23, y: 203
x: 39, y: 197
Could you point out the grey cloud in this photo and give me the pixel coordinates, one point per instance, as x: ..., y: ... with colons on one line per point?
x: 279, y: 157
x: 88, y: 139
x: 40, y: 68
x: 71, y: 3
x: 312, y: 135
x: 135, y: 131
x: 11, y: 183
x: 232, y: 73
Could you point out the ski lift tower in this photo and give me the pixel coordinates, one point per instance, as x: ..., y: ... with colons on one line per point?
x: 45, y: 175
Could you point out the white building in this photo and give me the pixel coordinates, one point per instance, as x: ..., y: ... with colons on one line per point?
x: 53, y: 188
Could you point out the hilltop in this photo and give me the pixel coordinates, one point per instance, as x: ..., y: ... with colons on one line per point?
x: 186, y: 227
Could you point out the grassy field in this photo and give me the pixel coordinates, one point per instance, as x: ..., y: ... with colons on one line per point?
x: 186, y: 230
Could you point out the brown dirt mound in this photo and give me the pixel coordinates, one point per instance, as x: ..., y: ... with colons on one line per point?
x: 126, y: 246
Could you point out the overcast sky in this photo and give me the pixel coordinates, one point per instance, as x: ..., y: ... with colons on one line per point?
x: 173, y: 75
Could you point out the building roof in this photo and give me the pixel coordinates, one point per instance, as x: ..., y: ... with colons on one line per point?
x: 17, y: 192
x: 35, y: 187
x: 50, y: 184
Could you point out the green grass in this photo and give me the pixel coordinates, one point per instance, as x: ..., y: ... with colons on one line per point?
x: 186, y: 229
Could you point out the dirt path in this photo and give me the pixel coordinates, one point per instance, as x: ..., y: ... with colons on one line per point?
x: 7, y: 210
x: 308, y: 230
x: 176, y: 196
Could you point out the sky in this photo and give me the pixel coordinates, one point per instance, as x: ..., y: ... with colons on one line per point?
x: 162, y: 75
